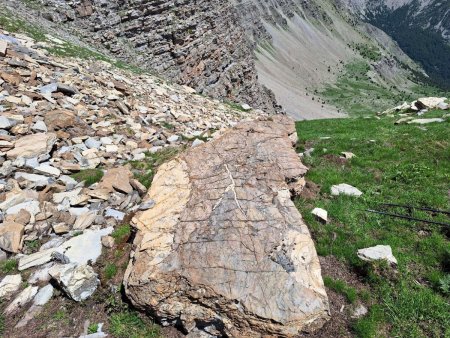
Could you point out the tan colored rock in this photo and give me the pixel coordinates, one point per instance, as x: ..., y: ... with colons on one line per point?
x: 225, y: 244
x: 3, y: 47
x: 11, y: 234
x: 108, y: 241
x: 117, y: 179
x: 32, y: 145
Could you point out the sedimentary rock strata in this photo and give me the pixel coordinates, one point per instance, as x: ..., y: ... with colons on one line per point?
x: 224, y: 250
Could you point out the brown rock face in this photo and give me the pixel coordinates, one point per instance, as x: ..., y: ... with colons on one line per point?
x: 225, y: 250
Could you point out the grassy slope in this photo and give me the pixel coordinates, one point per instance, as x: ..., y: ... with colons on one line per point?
x: 356, y: 94
x: 398, y: 164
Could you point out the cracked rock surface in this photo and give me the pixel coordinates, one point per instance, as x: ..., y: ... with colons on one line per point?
x: 224, y: 250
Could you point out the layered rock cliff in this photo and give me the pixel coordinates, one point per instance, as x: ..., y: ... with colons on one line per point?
x: 199, y: 44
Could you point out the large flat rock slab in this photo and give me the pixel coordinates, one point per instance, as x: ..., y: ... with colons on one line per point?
x: 225, y: 250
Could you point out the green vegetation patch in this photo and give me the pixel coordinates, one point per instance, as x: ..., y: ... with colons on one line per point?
x: 357, y: 94
x: 367, y: 51
x: 402, y: 164
x: 122, y: 233
x: 128, y: 324
x: 110, y: 270
x: 9, y: 266
x: 89, y: 176
x: 341, y: 287
x: 145, y: 170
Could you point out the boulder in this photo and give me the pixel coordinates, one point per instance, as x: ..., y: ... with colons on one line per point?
x: 429, y: 102
x: 224, y: 246
x: 32, y: 145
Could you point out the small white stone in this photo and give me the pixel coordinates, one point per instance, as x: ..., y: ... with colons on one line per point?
x: 379, y: 252
x: 321, y: 214
x: 345, y: 189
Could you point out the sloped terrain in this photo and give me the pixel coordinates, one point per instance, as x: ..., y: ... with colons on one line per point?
x: 303, y: 47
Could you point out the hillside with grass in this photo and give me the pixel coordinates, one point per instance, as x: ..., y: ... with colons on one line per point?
x: 394, y: 164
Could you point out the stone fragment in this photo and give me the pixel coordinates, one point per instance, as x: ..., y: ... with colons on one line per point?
x: 39, y: 126
x: 32, y: 145
x: 197, y: 142
x: 225, y: 239
x: 79, y: 282
x: 147, y: 205
x: 21, y: 300
x: 48, y: 89
x: 108, y: 241
x: 3, y: 47
x: 48, y: 169
x: 429, y: 102
x: 117, y: 179
x: 116, y: 214
x: 11, y: 234
x: 79, y: 249
x: 41, y: 298
x: 345, y: 189
x: 66, y: 89
x: 348, y: 155
x: 6, y: 123
x: 84, y: 221
x: 426, y: 121
x: 140, y: 188
x: 9, y: 285
x: 359, y: 311
x: 60, y: 228
x: 321, y: 214
x: 246, y: 107
x: 379, y: 252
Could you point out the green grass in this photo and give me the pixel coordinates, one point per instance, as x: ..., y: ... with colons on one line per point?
x: 110, y: 270
x: 130, y: 325
x: 341, y: 287
x: 145, y: 170
x: 92, y: 328
x: 368, y: 51
x: 356, y: 94
x: 122, y: 232
x: 60, y: 315
x: 9, y: 266
x: 2, y: 325
x: 402, y: 164
x: 89, y: 176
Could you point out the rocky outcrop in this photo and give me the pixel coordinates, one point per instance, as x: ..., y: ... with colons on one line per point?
x: 224, y: 250
x: 199, y: 44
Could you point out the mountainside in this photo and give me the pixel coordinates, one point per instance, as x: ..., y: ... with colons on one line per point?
x: 303, y: 47
x: 198, y: 44
x: 236, y: 50
x: 421, y: 28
